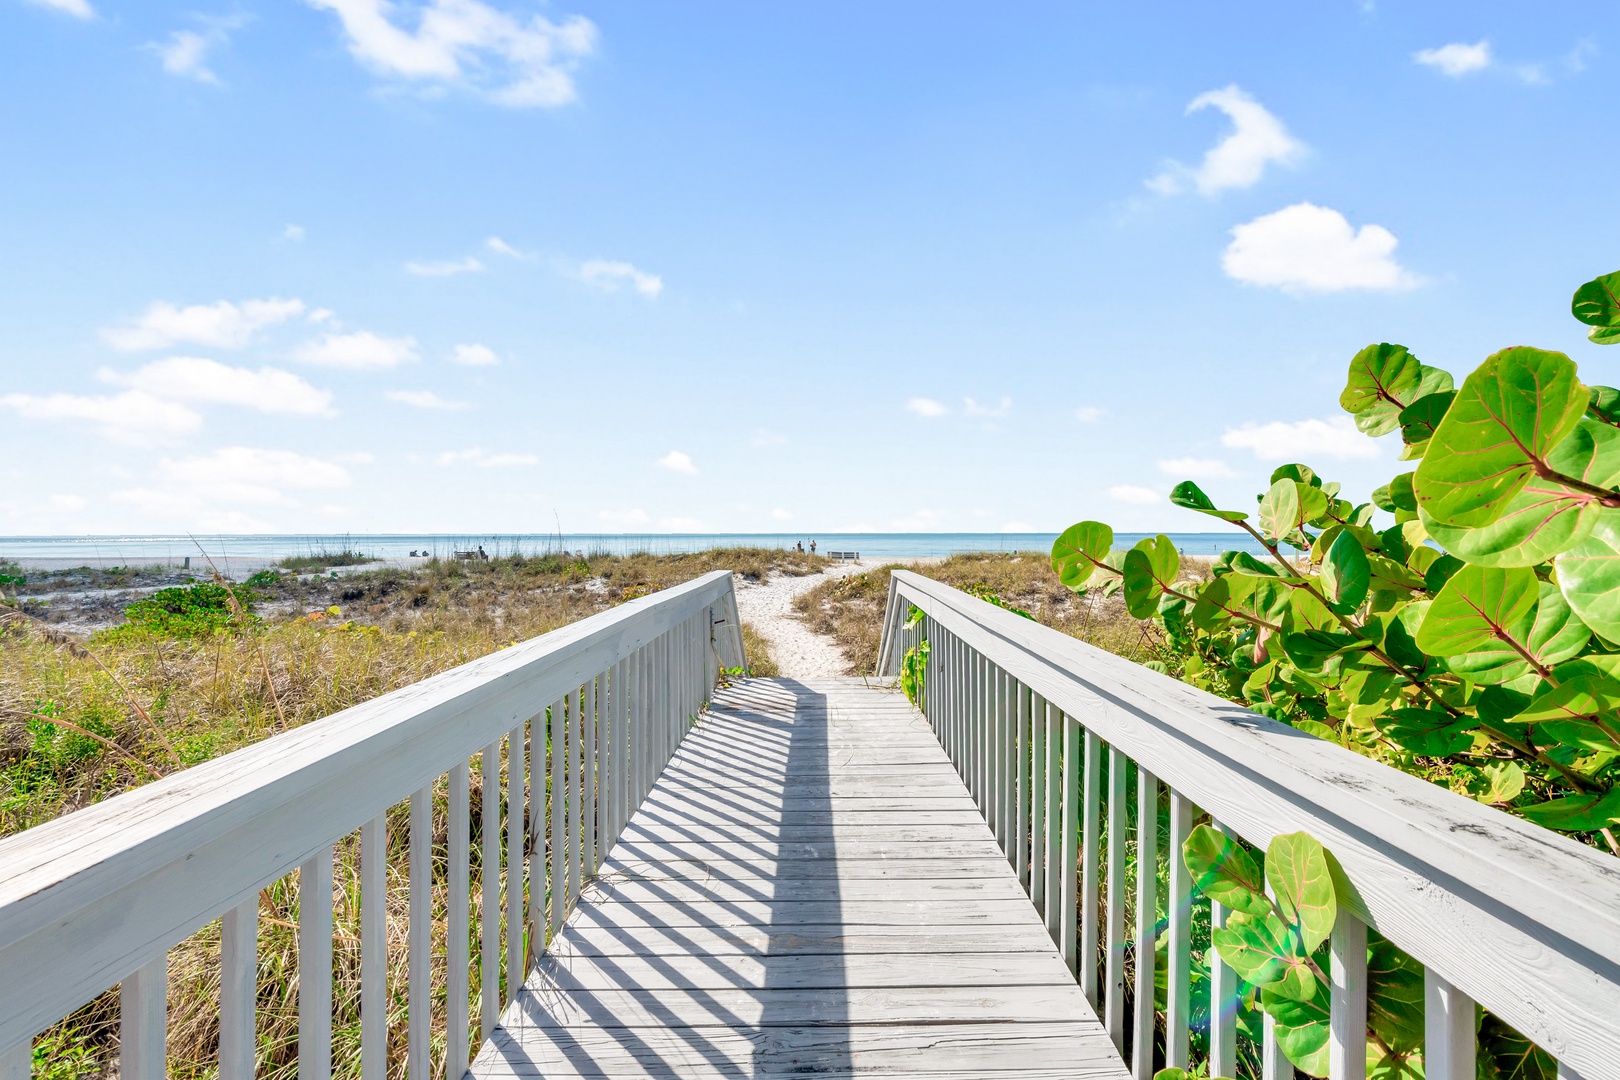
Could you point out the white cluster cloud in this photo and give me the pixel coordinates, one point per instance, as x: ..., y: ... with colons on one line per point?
x: 1283, y: 440
x: 469, y: 45
x: 1456, y: 59
x: 1239, y: 160
x: 195, y: 379
x: 1310, y: 248
x: 425, y: 399
x: 678, y: 461
x: 474, y: 355
x: 212, y: 489
x: 221, y: 325
x: 482, y: 458
x: 358, y: 351
x: 608, y: 275
x: 133, y: 417
x: 185, y: 54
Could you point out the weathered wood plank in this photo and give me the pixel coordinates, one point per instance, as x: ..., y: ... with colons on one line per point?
x: 637, y: 939
x: 885, y: 911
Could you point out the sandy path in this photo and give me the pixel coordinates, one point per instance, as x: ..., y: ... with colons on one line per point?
x: 800, y: 652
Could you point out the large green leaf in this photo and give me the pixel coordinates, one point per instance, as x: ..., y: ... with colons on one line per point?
x: 1545, y: 517
x: 1345, y: 573
x: 1589, y: 576
x: 1224, y: 872
x: 1575, y: 813
x: 1509, y: 415
x: 1510, y: 1055
x: 1566, y: 711
x: 1558, y: 634
x: 1279, y: 509
x: 1190, y: 496
x: 1419, y: 419
x: 1394, y: 995
x: 1596, y: 302
x: 1381, y: 382
x: 1603, y: 404
x: 1302, y: 1028
x: 1478, y: 607
x: 1265, y: 951
x: 1297, y: 868
x: 1150, y: 568
x: 1429, y: 732
x: 1079, y: 550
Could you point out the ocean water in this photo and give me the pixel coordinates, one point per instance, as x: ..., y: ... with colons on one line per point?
x: 143, y: 550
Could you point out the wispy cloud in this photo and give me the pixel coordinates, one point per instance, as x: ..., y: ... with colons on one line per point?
x: 445, y: 267
x: 474, y: 355
x: 425, y: 399
x: 485, y: 460
x: 501, y: 247
x: 1456, y: 59
x: 1295, y: 440
x: 1257, y: 139
x: 470, y: 46
x: 204, y: 381
x: 133, y: 417
x: 1087, y: 413
x: 780, y: 514
x: 678, y: 461
x: 608, y: 275
x: 185, y: 54
x: 928, y: 407
x: 1307, y: 248
x: 221, y: 325
x: 79, y: 9
x: 359, y: 351
x: 293, y: 234
x: 1196, y: 468
x: 764, y: 437
x: 973, y: 408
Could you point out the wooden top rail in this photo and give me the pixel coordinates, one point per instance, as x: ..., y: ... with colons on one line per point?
x: 89, y: 898
x: 1522, y: 919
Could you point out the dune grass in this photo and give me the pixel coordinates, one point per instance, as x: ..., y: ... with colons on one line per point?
x: 83, y: 718
x: 850, y: 609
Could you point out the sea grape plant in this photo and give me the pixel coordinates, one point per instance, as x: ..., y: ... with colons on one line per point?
x: 1469, y: 634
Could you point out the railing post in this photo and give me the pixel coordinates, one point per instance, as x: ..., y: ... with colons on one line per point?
x: 1072, y: 735
x: 143, y: 1000
x: 374, y: 947
x: 489, y: 879
x: 1147, y: 920
x: 1089, y: 885
x: 1347, y: 1017
x: 238, y: 989
x: 1039, y: 780
x: 1449, y: 1018
x: 315, y: 967
x: 515, y: 841
x: 1114, y: 997
x: 557, y: 849
x: 17, y: 1062
x: 419, y: 945
x: 457, y: 923
x: 1178, y: 977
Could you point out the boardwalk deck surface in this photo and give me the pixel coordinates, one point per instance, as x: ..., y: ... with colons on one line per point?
x: 808, y: 890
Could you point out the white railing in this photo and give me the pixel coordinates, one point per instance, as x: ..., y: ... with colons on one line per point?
x: 97, y: 898
x: 1521, y: 920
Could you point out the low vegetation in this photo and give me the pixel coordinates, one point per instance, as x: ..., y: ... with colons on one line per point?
x: 92, y: 704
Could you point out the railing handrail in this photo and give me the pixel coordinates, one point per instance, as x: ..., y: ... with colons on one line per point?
x: 90, y: 897
x: 1524, y: 920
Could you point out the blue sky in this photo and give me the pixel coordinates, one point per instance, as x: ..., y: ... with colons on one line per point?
x: 350, y: 265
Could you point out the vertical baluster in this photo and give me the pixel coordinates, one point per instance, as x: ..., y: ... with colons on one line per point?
x: 621, y: 747
x: 515, y: 833
x: 374, y: 948
x: 315, y: 966
x: 1055, y: 839
x: 1114, y: 992
x: 457, y: 923
x: 639, y: 739
x: 593, y: 775
x: 1566, y: 1072
x: 1347, y: 1015
x: 238, y: 989
x: 1021, y: 821
x: 574, y: 712
x: 981, y: 709
x: 1178, y: 1003
x: 557, y: 854
x: 1002, y: 800
x: 143, y: 1014
x: 489, y: 877
x: 1071, y: 839
x: 1449, y: 1019
x: 1089, y: 883
x: 1223, y: 989
x: 1037, y: 804
x: 419, y: 946
x: 1147, y: 920
x: 17, y: 1062
x: 1009, y: 767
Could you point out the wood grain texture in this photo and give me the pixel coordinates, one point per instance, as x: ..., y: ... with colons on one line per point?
x: 782, y: 905
x: 1520, y: 918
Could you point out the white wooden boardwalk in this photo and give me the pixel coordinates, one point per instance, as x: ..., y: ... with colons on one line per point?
x: 808, y: 890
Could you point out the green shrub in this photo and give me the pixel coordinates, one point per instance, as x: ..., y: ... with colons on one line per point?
x: 189, y: 611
